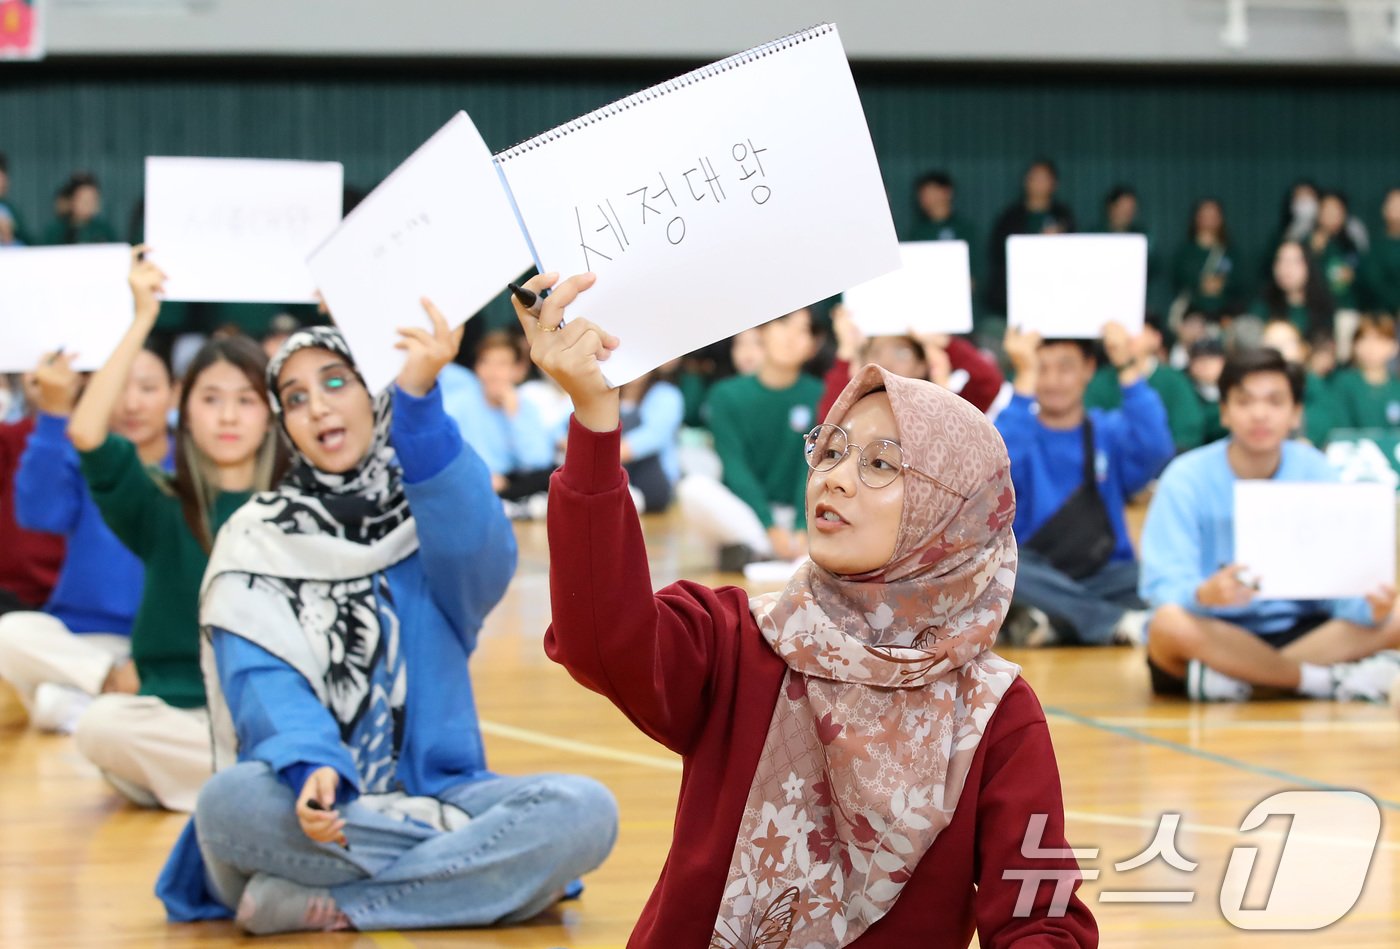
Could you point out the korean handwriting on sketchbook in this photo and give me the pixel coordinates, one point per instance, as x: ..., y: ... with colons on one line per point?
x: 664, y: 199
x: 275, y: 222
x: 401, y: 233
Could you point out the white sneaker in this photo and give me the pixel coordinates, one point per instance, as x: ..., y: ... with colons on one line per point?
x: 1204, y: 684
x: 57, y: 708
x: 1372, y: 679
x: 1042, y: 632
x: 1131, y: 629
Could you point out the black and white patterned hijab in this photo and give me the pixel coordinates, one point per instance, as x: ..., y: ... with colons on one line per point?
x: 299, y: 571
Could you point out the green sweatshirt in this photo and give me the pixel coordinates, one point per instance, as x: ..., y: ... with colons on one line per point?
x: 1186, y: 415
x: 1380, y: 274
x: 1339, y: 268
x: 1319, y: 410
x: 1210, y: 411
x: 148, y: 520
x: 1192, y: 263
x: 1298, y: 315
x: 1358, y: 404
x: 96, y: 231
x: 758, y: 435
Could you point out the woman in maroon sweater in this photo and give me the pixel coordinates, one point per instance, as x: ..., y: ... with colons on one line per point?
x: 860, y: 768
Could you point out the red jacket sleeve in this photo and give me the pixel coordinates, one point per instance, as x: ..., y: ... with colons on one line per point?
x: 984, y: 377
x: 836, y: 378
x: 1020, y: 783
x: 650, y: 654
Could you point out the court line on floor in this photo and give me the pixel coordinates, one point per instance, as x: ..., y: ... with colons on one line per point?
x: 531, y: 737
x: 1264, y: 726
x: 590, y: 750
x: 1211, y: 756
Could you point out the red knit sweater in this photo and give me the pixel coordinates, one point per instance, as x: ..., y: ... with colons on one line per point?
x: 29, y: 561
x: 689, y: 667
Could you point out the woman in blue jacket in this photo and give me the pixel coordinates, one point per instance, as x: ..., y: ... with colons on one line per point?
x: 340, y: 611
x: 79, y: 644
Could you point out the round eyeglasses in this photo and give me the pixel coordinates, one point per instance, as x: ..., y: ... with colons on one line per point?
x: 879, y: 463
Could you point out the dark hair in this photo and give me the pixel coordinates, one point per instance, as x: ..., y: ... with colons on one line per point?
x: 1224, y: 237
x: 350, y: 198
x: 4, y: 164
x: 940, y: 178
x: 189, y: 483
x: 500, y: 339
x: 163, y: 356
x: 1046, y: 163
x: 1343, y: 238
x: 1119, y: 191
x: 1249, y: 362
x: 79, y: 179
x: 1088, y: 347
x: 1206, y: 346
x: 1316, y: 296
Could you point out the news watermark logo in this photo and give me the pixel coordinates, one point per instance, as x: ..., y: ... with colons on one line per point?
x: 1324, y: 855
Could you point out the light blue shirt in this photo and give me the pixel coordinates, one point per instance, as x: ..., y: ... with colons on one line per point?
x: 506, y: 443
x: 1190, y: 534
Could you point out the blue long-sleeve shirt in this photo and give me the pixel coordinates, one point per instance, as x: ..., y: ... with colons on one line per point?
x: 1190, y: 534
x: 507, y: 443
x: 659, y: 417
x: 99, y: 587
x: 1131, y: 445
x: 442, y: 593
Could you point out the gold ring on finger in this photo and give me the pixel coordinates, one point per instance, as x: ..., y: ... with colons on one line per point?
x: 545, y: 329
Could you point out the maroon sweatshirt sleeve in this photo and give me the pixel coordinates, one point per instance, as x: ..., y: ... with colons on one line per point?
x: 1019, y: 781
x: 650, y: 654
x: 836, y: 378
x: 984, y: 378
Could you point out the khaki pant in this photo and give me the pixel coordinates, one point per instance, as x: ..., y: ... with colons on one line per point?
x: 36, y: 648
x: 153, y: 753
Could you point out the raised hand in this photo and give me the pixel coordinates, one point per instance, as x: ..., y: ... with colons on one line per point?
x: 427, y: 352
x: 147, y: 283
x: 56, y: 384
x: 571, y: 355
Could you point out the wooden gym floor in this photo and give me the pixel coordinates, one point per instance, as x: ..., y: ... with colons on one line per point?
x: 77, y: 865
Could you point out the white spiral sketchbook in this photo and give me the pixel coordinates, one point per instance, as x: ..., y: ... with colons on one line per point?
x: 711, y: 203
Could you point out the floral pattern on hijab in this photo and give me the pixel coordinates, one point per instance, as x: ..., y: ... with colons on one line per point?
x: 889, y: 688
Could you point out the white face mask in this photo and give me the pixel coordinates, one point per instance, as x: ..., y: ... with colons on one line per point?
x: 1304, y: 208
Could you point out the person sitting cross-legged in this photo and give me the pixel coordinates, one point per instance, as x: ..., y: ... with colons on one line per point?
x: 1208, y: 637
x: 1074, y: 469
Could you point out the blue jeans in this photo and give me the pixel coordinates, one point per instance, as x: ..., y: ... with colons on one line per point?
x: 1087, y: 609
x: 528, y: 839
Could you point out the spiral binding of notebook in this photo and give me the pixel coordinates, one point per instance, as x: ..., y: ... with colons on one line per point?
x: 655, y: 92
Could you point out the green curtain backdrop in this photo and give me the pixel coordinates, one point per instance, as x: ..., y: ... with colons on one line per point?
x: 1174, y: 137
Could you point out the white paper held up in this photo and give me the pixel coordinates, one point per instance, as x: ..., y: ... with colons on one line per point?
x: 711, y: 203
x: 1069, y: 286
x: 930, y: 293
x: 440, y: 226
x: 1315, y: 541
x: 75, y: 298
x: 239, y: 230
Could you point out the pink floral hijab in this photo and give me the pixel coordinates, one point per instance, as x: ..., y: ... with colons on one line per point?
x: 890, y: 684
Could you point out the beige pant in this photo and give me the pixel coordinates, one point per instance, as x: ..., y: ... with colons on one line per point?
x: 36, y: 648
x: 153, y: 753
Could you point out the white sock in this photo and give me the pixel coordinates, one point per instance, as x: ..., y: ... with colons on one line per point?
x: 1204, y: 684
x: 1314, y: 681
